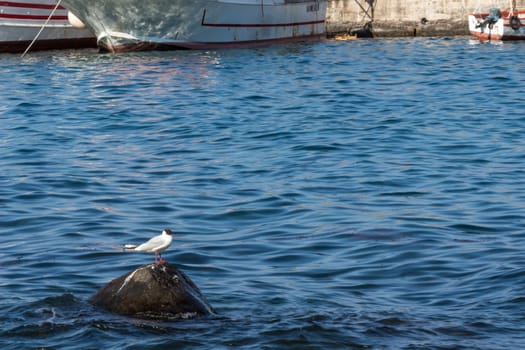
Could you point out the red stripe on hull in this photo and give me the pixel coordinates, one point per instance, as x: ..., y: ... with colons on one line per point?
x: 486, y: 36
x: 491, y: 36
x: 55, y: 44
x: 26, y: 5
x: 256, y: 25
x: 32, y: 17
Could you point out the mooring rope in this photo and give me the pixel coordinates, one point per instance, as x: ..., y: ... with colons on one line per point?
x: 42, y: 28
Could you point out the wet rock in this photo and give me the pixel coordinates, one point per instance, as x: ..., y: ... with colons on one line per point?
x: 153, y: 291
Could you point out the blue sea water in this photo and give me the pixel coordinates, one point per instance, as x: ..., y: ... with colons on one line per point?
x: 365, y: 194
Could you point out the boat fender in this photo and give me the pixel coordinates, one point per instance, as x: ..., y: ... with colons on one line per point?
x: 75, y: 21
x: 515, y: 22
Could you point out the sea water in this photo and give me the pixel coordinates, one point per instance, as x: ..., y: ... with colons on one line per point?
x: 365, y: 194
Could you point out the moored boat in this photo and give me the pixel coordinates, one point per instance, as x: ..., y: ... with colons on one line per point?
x: 22, y: 20
x: 497, y: 24
x: 134, y: 25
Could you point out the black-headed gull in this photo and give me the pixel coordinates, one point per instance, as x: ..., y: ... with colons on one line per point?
x: 155, y: 245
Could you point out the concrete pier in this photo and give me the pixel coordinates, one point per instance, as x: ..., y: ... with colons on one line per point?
x: 402, y: 18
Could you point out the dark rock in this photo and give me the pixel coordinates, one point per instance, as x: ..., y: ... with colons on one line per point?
x: 153, y: 291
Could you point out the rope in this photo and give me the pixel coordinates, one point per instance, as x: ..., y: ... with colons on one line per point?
x: 512, y: 7
x: 42, y: 28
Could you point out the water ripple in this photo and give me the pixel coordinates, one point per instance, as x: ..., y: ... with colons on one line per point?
x: 362, y: 194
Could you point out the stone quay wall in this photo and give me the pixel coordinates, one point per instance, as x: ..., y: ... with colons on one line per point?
x: 401, y: 18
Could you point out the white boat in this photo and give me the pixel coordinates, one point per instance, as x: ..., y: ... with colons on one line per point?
x: 497, y: 24
x: 22, y: 20
x: 134, y: 25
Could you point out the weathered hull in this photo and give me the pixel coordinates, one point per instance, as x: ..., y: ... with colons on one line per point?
x: 20, y: 22
x: 508, y: 27
x: 131, y: 25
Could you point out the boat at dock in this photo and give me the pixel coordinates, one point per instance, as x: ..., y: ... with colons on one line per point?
x: 136, y: 25
x: 22, y: 20
x: 498, y: 24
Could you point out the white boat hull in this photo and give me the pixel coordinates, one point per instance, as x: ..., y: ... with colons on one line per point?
x: 505, y: 28
x: 21, y: 21
x: 130, y: 25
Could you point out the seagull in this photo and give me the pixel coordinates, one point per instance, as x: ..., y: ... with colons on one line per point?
x: 155, y: 245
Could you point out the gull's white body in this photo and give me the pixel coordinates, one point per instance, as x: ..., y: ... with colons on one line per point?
x: 155, y: 245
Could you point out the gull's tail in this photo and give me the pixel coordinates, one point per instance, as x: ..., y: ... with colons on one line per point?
x: 129, y: 247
